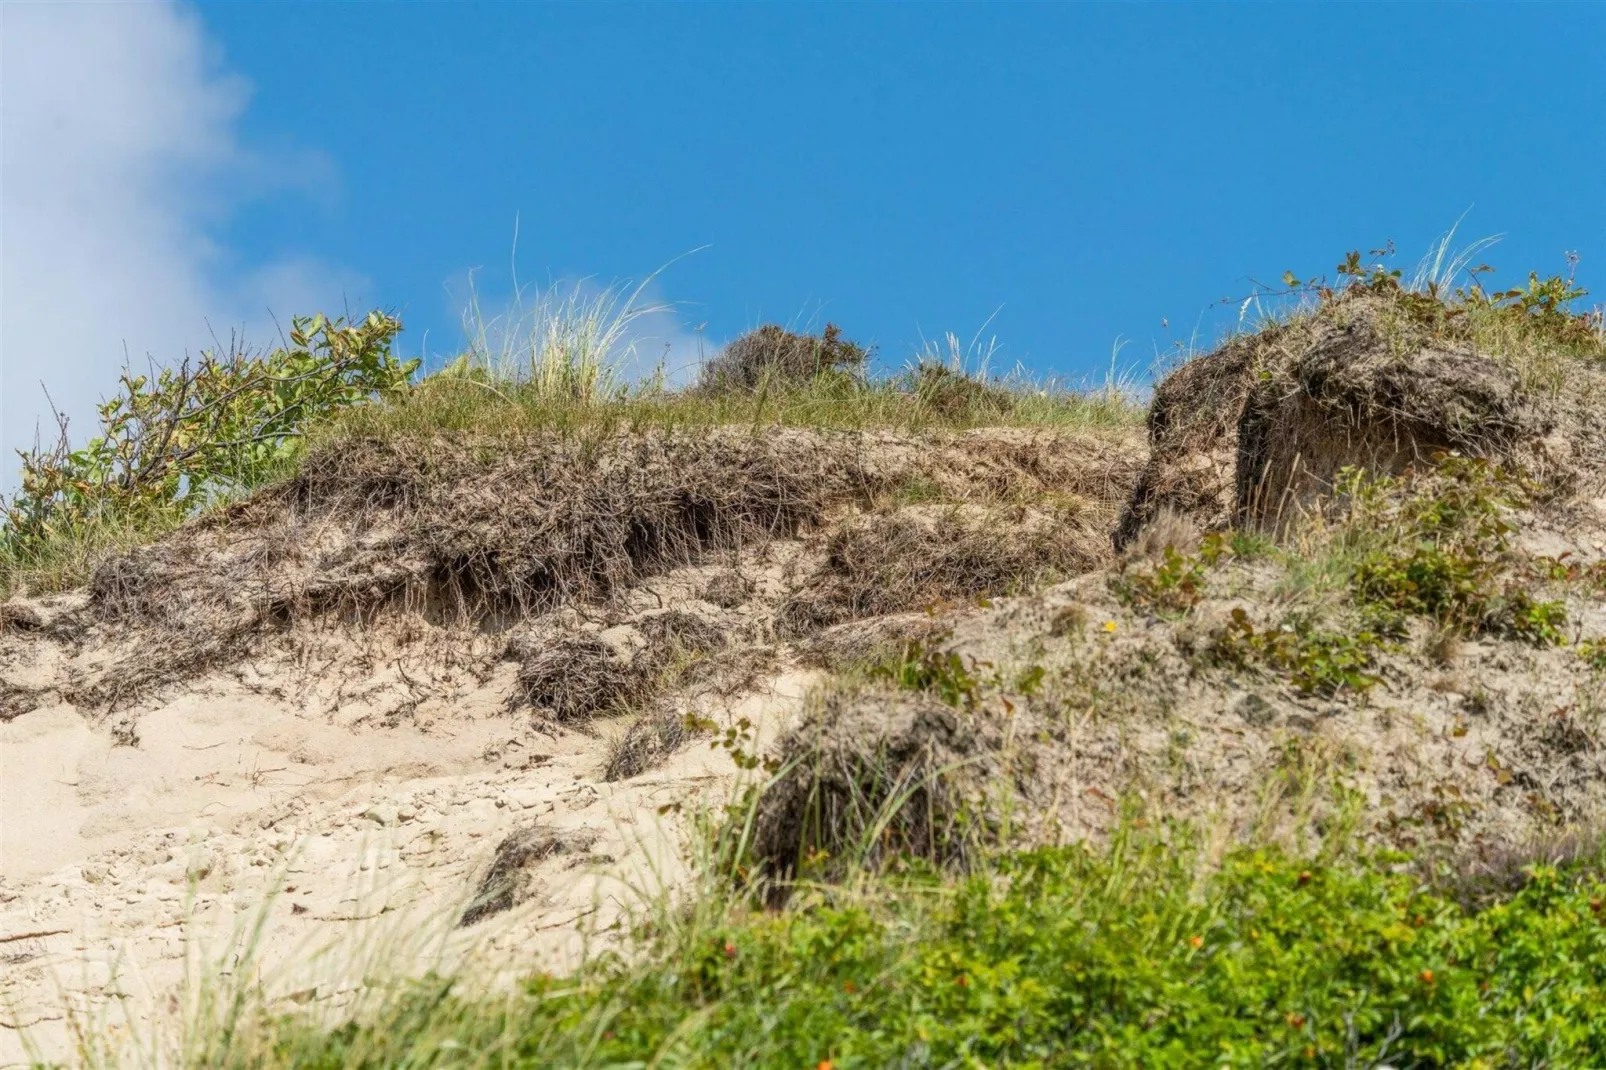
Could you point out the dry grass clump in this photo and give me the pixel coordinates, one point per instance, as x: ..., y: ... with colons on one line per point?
x: 465, y: 529
x: 851, y: 645
x: 922, y: 557
x: 951, y: 392
x: 1356, y: 393
x: 508, y: 882
x: 677, y: 634
x: 774, y: 358
x: 648, y: 742
x: 727, y: 589
x: 877, y: 774
x: 561, y: 520
x: 574, y: 675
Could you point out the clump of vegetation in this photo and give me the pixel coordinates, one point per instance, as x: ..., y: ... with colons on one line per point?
x: 1436, y: 544
x: 1061, y: 956
x: 775, y: 358
x: 1372, y: 371
x: 950, y: 391
x: 506, y: 882
x: 180, y: 439
x: 925, y: 665
x: 1175, y: 583
x: 573, y: 676
x: 1315, y: 660
x: 656, y: 734
x: 894, y: 562
x: 1540, y: 313
x: 1433, y: 544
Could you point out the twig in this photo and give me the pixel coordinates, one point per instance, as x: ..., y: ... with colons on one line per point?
x: 14, y: 937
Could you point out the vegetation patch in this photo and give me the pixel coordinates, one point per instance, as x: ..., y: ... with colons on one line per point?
x: 507, y: 882
x: 929, y: 666
x: 945, y: 389
x: 1173, y: 584
x: 1375, y: 372
x: 1058, y: 957
x: 181, y: 439
x: 772, y: 357
x: 1314, y: 660
x: 572, y: 676
x: 1433, y: 544
x: 651, y: 738
x: 874, y: 774
x: 1437, y: 545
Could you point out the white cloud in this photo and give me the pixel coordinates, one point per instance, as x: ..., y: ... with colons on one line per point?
x: 119, y: 159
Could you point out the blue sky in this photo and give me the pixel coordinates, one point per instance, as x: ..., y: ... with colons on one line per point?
x: 1086, y: 171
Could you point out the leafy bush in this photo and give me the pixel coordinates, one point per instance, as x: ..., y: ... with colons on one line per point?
x: 1065, y: 957
x: 771, y: 355
x: 925, y: 666
x: 1433, y: 544
x: 1436, y: 544
x: 173, y: 442
x: 1541, y: 311
x: 1175, y: 583
x: 1315, y: 661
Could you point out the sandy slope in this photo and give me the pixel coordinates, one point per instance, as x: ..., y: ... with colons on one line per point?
x: 275, y: 715
x: 121, y: 859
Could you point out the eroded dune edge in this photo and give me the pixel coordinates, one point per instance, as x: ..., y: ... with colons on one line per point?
x: 459, y: 698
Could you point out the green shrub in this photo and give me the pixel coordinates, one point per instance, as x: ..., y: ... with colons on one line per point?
x: 1437, y: 544
x: 1174, y: 584
x: 1064, y: 957
x: 1542, y: 312
x: 772, y: 356
x: 175, y: 441
x: 926, y: 666
x: 1315, y: 661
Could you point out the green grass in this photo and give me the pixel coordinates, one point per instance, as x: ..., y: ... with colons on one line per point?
x: 1058, y: 957
x: 481, y: 405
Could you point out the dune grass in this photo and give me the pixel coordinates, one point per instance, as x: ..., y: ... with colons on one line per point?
x: 478, y: 404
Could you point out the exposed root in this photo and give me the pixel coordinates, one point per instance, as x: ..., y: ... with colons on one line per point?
x: 915, y: 559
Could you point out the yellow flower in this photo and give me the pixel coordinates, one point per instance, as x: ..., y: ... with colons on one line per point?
x: 1109, y: 626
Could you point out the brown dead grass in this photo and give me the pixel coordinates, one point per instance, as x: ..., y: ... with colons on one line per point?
x: 494, y: 533
x: 574, y: 675
x: 507, y: 882
x: 875, y: 774
x: 1256, y: 431
x: 648, y: 742
x: 920, y: 558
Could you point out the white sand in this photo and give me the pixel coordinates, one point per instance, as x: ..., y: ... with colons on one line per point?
x: 361, y: 824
